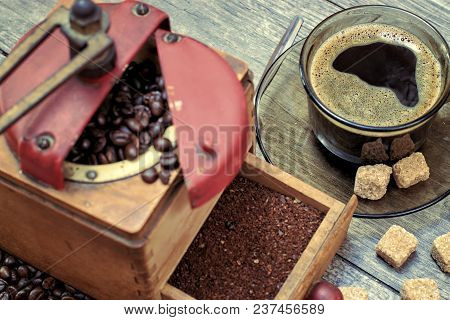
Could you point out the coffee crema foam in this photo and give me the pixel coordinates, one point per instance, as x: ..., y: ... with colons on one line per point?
x: 353, y: 99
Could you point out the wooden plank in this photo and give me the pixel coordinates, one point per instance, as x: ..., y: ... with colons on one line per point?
x: 247, y: 29
x: 436, y: 12
x: 342, y: 274
x: 18, y: 16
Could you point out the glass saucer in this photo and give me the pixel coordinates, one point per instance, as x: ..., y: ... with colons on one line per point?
x: 286, y: 140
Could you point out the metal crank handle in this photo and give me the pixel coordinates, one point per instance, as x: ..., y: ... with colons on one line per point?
x: 97, y: 45
x: 91, y: 49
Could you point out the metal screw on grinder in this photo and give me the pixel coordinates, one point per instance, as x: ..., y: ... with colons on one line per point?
x: 44, y: 142
x: 85, y: 17
x: 91, y: 175
x: 141, y: 9
x: 171, y: 38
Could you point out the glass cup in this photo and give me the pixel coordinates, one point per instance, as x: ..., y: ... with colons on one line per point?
x: 346, y: 138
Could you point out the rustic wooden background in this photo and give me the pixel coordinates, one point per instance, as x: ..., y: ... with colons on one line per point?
x: 250, y: 29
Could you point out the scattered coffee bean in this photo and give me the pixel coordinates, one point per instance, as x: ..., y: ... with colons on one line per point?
x: 150, y: 175
x: 5, y: 272
x: 3, y: 285
x: 164, y: 176
x: 12, y: 291
x: 9, y: 261
x: 162, y: 144
x: 22, y: 294
x: 36, y: 294
x: 4, y: 296
x: 48, y: 283
x: 169, y: 162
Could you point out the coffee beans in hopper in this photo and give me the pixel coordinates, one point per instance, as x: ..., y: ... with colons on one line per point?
x: 20, y: 281
x: 132, y: 119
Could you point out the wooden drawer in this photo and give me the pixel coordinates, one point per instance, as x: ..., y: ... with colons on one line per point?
x: 323, y: 246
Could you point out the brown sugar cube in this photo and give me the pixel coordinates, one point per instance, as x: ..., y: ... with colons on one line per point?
x: 441, y: 252
x: 371, y: 181
x: 396, y: 246
x: 411, y: 170
x: 374, y: 152
x: 354, y: 293
x: 420, y: 289
x: 402, y: 147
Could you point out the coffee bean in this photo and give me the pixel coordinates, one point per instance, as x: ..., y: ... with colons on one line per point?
x: 167, y: 119
x: 140, y: 108
x: 133, y: 124
x: 127, y: 110
x: 85, y: 144
x: 69, y: 288
x: 57, y: 293
x: 97, y: 133
x: 117, y: 121
x: 120, y: 138
x: 5, y: 272
x: 156, y: 130
x: 144, y: 119
x: 4, y: 296
x: 99, y: 145
x: 157, y: 108
x: 164, y: 176
x: 36, y: 294
x: 9, y: 261
x: 145, y: 138
x: 169, y: 162
x: 139, y: 100
x: 120, y: 154
x: 12, y: 291
x: 22, y: 295
x: 101, y: 158
x: 150, y: 175
x: 136, y: 84
x: 125, y: 129
x: 36, y: 282
x: 3, y: 285
x: 14, y: 277
x: 23, y: 283
x: 124, y: 87
x: 111, y: 154
x: 162, y: 144
x: 68, y: 297
x: 79, y: 296
x: 31, y: 269
x: 48, y: 283
x: 160, y: 82
x: 101, y: 119
x: 131, y: 152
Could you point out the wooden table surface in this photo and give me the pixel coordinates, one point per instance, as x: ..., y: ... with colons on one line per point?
x: 250, y: 29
